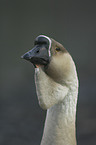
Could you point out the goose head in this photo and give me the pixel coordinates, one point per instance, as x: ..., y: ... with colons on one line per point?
x: 53, y: 58
x: 40, y: 54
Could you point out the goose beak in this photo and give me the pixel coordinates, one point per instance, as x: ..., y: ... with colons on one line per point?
x: 37, y: 56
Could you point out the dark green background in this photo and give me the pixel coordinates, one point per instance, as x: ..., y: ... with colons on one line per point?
x: 72, y: 23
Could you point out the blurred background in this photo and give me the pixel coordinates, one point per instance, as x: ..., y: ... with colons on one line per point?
x: 72, y: 23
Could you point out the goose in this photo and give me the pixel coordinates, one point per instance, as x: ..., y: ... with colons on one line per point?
x: 57, y: 89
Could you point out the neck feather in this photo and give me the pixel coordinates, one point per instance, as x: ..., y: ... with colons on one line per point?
x: 60, y: 123
x: 59, y: 126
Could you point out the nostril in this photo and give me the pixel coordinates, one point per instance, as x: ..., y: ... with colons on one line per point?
x: 37, y: 51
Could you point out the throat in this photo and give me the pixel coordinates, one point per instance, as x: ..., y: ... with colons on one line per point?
x: 60, y: 102
x: 59, y: 126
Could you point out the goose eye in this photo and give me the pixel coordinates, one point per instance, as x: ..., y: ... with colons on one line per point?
x: 57, y: 49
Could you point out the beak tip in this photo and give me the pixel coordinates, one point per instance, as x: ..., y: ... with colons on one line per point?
x: 26, y: 56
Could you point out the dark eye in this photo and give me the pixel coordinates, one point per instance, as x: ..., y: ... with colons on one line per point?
x: 58, y: 49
